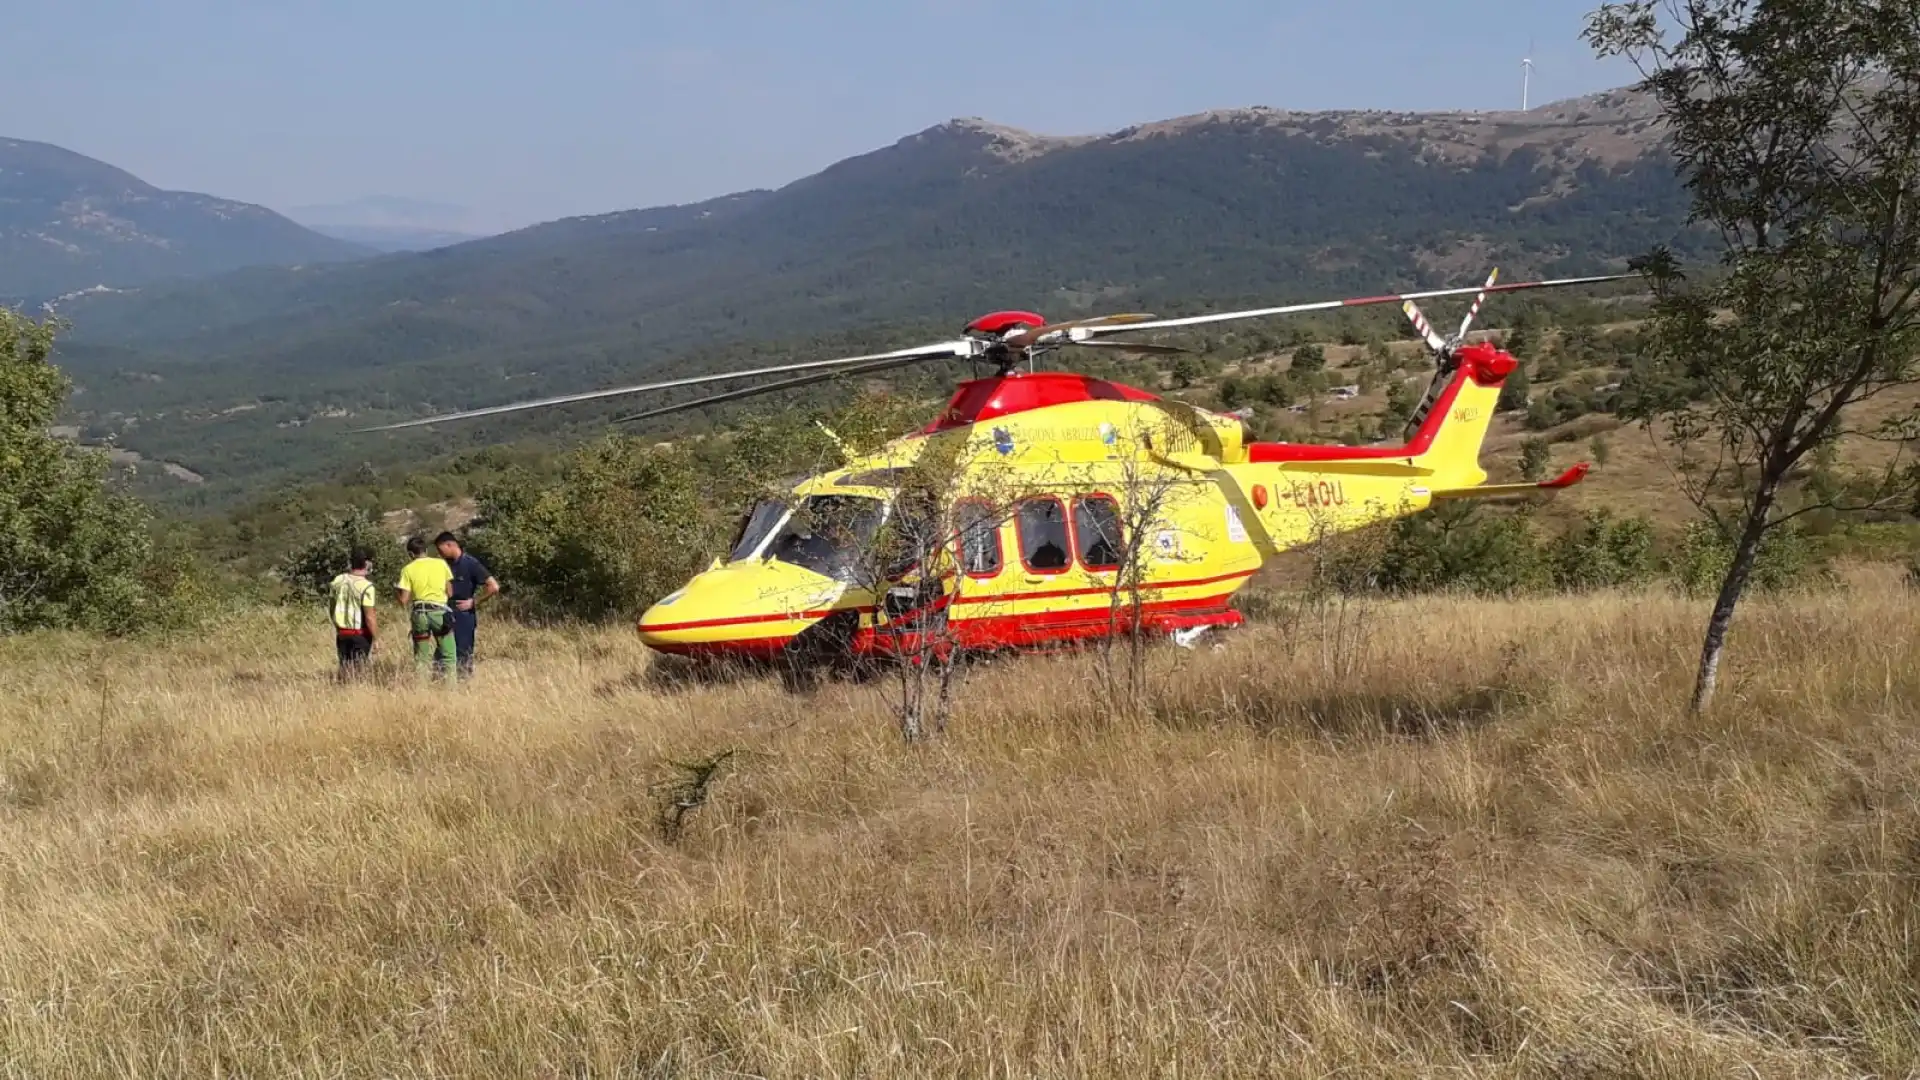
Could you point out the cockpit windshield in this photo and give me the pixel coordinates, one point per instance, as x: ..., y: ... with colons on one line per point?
x: 755, y: 526
x: 829, y: 534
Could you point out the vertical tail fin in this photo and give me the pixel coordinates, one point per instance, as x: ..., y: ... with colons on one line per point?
x: 1466, y: 389
x: 1464, y: 399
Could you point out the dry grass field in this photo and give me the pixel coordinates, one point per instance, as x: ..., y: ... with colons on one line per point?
x: 1434, y: 837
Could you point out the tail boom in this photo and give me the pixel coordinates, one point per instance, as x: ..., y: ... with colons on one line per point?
x: 1449, y: 427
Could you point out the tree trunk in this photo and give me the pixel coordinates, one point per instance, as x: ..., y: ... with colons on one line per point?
x: 1745, y: 554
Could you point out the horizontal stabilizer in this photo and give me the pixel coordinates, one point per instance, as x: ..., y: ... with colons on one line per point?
x: 1493, y: 491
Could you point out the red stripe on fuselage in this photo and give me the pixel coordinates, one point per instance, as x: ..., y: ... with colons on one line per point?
x: 738, y: 620
x: 821, y: 613
x: 1057, y: 627
x: 1008, y: 598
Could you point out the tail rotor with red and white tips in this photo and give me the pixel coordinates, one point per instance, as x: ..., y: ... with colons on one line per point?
x: 1477, y: 301
x: 1445, y: 346
x: 1424, y: 328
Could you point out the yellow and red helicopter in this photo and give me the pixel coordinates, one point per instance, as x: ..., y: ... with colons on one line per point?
x: 1046, y: 473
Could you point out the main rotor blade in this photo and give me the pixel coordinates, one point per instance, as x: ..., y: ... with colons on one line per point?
x: 768, y: 388
x: 1327, y: 305
x: 1038, y: 334
x: 1131, y: 346
x: 941, y: 351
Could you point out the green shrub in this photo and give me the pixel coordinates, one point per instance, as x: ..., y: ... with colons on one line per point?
x: 1457, y: 546
x: 1482, y: 549
x: 1275, y: 390
x: 310, y: 567
x: 1785, y: 560
x: 1603, y: 552
x: 1233, y: 392
x: 627, y: 523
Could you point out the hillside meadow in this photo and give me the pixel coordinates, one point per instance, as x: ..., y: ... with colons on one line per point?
x: 1440, y: 836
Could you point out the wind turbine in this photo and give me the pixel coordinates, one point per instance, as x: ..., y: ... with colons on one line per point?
x: 1526, y: 75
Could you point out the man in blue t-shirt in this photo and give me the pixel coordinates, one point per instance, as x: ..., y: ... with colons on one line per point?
x: 472, y: 585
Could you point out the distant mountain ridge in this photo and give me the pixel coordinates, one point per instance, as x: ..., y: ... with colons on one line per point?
x: 394, y: 238
x: 394, y: 223
x: 69, y: 222
x: 1214, y: 209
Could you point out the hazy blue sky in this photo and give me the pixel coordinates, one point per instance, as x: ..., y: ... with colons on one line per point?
x: 529, y: 111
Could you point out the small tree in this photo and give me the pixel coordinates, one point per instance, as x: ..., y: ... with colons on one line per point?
x: 1601, y: 450
x: 1535, y: 456
x: 1513, y: 392
x: 916, y: 568
x: 1308, y: 359
x: 1144, y: 494
x: 74, y: 552
x: 1797, y: 126
x: 1401, y: 401
x: 1520, y: 339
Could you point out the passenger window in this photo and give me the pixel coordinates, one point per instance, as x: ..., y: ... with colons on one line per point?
x: 1096, y: 523
x: 1043, y: 535
x: 979, y: 539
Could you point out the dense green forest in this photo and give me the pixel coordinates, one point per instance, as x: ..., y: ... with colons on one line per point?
x: 254, y: 380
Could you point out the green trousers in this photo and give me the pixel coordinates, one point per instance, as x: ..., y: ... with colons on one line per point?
x: 433, y: 648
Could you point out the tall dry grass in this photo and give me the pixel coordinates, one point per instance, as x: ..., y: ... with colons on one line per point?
x: 1464, y: 837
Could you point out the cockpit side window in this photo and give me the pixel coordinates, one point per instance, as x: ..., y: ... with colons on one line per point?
x: 979, y: 529
x: 1044, y: 544
x: 830, y: 535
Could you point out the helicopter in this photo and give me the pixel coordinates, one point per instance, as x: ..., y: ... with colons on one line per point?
x: 1059, y: 492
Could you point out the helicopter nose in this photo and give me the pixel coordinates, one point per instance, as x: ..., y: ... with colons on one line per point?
x: 732, y: 611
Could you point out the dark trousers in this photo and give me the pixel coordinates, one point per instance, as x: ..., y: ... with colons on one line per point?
x: 465, y: 623
x: 353, y: 650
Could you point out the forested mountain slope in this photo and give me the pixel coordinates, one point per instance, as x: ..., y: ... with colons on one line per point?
x: 267, y: 367
x: 68, y: 222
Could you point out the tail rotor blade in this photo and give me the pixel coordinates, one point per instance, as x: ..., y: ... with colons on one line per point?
x: 1423, y: 327
x: 1477, y: 301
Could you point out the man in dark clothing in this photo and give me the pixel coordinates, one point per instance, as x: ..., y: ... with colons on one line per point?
x: 473, y: 584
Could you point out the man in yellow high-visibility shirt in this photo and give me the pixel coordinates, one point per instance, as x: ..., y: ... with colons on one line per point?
x: 423, y: 593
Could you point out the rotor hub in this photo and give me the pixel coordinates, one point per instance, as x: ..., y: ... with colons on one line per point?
x: 1001, y: 323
